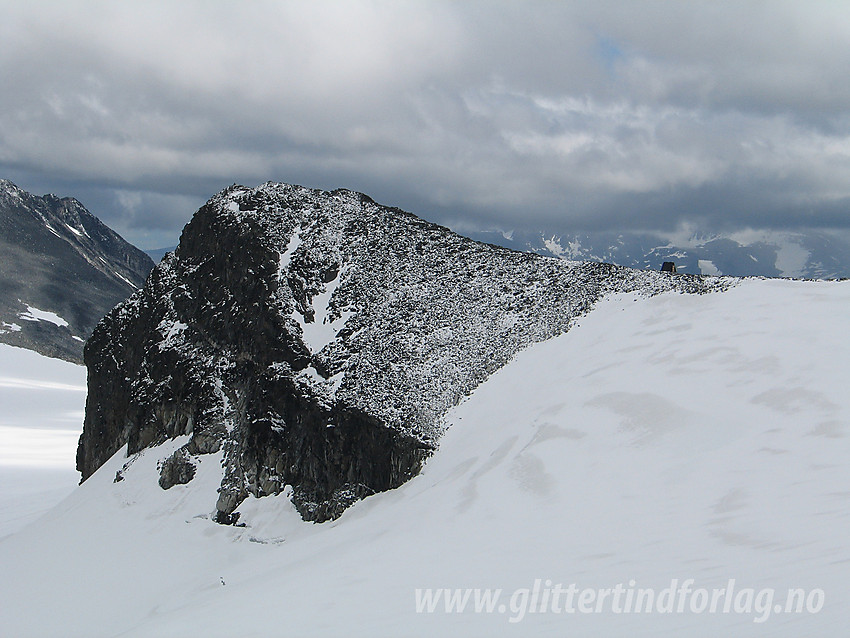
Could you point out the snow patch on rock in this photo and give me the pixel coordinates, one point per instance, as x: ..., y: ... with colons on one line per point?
x: 34, y: 314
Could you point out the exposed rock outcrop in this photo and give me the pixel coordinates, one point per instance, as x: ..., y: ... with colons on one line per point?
x: 318, y: 338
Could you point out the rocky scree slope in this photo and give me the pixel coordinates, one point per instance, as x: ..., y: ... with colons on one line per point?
x: 316, y: 339
x: 61, y: 271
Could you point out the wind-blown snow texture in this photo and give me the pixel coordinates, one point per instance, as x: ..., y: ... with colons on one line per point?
x: 319, y: 338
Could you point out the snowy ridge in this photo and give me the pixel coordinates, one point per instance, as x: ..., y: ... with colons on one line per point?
x: 339, y: 331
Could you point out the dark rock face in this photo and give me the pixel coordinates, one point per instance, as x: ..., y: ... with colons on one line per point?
x: 177, y: 469
x: 58, y: 258
x: 317, y: 339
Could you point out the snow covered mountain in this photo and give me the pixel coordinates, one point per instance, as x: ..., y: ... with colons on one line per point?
x: 318, y: 339
x: 813, y: 254
x: 696, y: 438
x: 61, y: 270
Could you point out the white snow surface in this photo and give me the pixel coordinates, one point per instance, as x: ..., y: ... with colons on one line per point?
x: 707, y: 267
x: 9, y: 327
x: 676, y: 436
x: 52, y: 230
x: 125, y: 280
x: 34, y: 314
x: 322, y: 330
x: 42, y: 401
x: 791, y: 258
x: 286, y: 255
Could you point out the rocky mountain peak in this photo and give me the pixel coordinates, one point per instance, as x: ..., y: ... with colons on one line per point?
x: 315, y: 340
x: 62, y: 270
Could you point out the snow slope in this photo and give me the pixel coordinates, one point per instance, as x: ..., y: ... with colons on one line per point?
x: 679, y: 436
x: 41, y: 418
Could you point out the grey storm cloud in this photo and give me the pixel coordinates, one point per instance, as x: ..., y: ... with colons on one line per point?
x: 552, y: 115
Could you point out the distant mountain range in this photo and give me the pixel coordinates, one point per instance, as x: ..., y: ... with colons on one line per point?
x: 61, y: 270
x: 158, y: 253
x: 814, y: 255
x: 807, y: 255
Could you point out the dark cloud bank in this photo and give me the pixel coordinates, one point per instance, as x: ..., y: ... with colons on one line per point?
x: 558, y: 116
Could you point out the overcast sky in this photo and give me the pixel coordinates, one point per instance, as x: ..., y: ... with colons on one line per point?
x: 558, y: 116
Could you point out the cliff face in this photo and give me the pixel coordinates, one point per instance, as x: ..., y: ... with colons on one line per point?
x: 61, y: 270
x: 318, y: 338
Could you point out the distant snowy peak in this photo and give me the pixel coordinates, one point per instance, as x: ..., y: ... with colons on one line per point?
x: 318, y: 339
x: 812, y: 255
x: 63, y: 262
